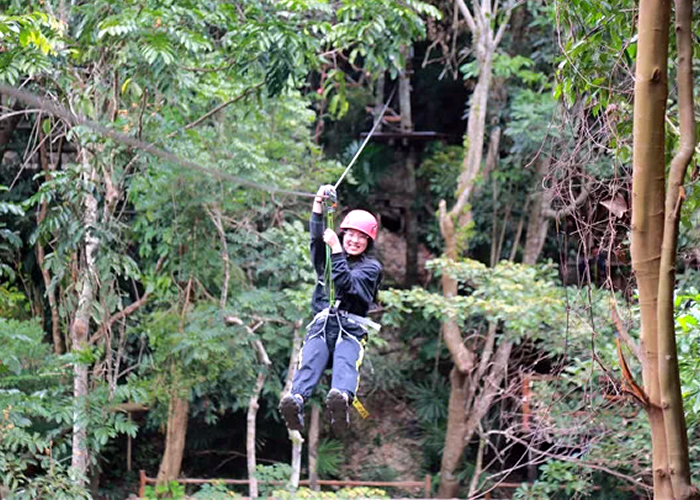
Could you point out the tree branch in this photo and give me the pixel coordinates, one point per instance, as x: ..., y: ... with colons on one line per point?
x: 466, y: 14
x: 504, y: 24
x: 257, y: 343
x: 569, y: 209
x: 217, y: 109
x: 563, y: 458
x: 624, y: 333
x: 128, y: 310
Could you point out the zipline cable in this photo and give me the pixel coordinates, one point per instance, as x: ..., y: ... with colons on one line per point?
x: 31, y: 99
x: 369, y: 136
x: 332, y: 200
x: 74, y: 119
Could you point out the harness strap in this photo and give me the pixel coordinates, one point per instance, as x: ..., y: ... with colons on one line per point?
x: 352, y: 318
x: 365, y: 323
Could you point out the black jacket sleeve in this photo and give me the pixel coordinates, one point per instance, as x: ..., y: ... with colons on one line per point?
x: 355, y: 286
x: 318, y: 246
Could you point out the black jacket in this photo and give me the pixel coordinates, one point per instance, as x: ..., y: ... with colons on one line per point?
x: 356, y: 279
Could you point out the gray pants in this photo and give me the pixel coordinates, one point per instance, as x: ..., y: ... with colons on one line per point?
x: 342, y: 351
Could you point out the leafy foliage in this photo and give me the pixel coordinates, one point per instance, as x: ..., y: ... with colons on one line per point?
x: 269, y: 474
x: 38, y: 411
x: 558, y: 480
x: 524, y: 298
x: 171, y: 489
x: 361, y: 492
x: 197, y: 355
x: 430, y: 400
x: 688, y: 338
x: 9, y: 240
x: 36, y: 36
x: 329, y: 457
x: 215, y: 491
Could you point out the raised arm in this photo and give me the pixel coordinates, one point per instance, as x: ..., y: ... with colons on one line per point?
x: 316, y: 227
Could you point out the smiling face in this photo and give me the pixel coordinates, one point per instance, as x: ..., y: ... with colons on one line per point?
x: 354, y: 242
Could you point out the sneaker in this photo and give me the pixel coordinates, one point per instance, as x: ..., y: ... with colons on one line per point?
x: 337, y: 406
x: 292, y: 409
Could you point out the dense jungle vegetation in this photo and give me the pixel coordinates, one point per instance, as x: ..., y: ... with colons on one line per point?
x: 535, y: 178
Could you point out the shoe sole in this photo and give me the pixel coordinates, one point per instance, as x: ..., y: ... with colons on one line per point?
x: 338, y: 411
x: 291, y: 414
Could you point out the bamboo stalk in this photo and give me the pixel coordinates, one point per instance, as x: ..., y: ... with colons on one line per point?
x: 669, y: 377
x: 650, y: 94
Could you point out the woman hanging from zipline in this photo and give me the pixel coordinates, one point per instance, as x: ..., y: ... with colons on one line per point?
x: 348, y: 278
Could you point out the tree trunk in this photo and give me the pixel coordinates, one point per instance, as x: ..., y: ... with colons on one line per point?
x: 295, y: 436
x: 454, y: 442
x: 314, y: 431
x: 478, y: 467
x: 379, y: 100
x: 462, y: 357
x: 253, y: 413
x: 489, y: 389
x: 669, y: 377
x: 485, y: 38
x: 541, y: 212
x: 80, y: 327
x: 178, y: 415
x: 537, y: 223
x: 293, y: 357
x: 297, y: 443
x: 10, y: 125
x: 215, y: 216
x: 411, y: 223
x: 476, y: 124
x: 650, y: 93
x: 253, y: 404
x: 250, y: 435
x: 58, y: 344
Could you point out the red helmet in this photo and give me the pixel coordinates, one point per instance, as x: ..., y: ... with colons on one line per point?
x: 362, y: 221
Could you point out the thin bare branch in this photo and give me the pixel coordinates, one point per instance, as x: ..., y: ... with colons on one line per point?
x: 466, y: 14
x: 624, y: 333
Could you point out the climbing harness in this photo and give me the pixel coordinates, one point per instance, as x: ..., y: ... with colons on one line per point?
x: 339, y: 315
x: 364, y: 323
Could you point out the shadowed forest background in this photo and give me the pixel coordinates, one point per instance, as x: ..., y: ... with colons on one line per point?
x: 535, y: 180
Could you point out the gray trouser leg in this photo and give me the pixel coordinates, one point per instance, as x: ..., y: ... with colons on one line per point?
x: 313, y: 359
x: 346, y: 365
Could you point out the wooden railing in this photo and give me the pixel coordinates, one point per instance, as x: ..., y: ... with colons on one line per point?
x: 426, y: 484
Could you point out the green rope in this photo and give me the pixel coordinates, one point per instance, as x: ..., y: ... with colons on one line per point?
x: 329, y: 207
x: 332, y: 200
